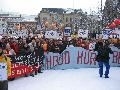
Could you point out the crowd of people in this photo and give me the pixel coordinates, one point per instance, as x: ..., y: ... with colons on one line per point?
x: 39, y: 47
x: 15, y: 47
x: 25, y: 46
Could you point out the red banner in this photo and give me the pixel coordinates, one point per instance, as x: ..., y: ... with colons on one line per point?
x: 19, y: 70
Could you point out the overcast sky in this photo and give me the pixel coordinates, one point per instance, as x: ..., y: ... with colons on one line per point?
x: 34, y: 6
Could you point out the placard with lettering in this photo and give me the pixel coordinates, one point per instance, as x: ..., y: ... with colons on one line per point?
x: 83, y: 33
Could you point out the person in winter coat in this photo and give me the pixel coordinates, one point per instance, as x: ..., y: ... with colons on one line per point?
x: 39, y: 54
x: 5, y: 59
x: 103, y: 50
x: 27, y: 61
x: 32, y: 45
x: 14, y: 46
x: 10, y: 53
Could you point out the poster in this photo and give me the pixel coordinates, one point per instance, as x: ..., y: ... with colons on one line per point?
x: 51, y: 34
x: 3, y: 71
x: 67, y: 31
x: 108, y: 33
x: 83, y: 33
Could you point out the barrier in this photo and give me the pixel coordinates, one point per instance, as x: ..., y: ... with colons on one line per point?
x: 72, y: 57
x: 77, y: 57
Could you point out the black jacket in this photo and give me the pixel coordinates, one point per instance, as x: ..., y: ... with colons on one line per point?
x: 103, y: 52
x: 39, y: 51
x: 2, y: 45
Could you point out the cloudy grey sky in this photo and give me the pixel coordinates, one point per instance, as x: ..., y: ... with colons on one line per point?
x: 34, y: 6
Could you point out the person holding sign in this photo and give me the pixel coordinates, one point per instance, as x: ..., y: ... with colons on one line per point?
x: 5, y: 70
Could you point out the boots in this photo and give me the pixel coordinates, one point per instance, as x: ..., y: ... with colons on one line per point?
x: 36, y: 72
x: 106, y: 76
x: 100, y: 75
x: 32, y: 75
x: 39, y: 70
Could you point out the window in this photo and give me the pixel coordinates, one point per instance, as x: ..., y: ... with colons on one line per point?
x: 66, y: 19
x: 70, y: 19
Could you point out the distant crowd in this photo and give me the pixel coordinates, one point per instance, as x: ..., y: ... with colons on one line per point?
x: 38, y: 47
x: 24, y: 46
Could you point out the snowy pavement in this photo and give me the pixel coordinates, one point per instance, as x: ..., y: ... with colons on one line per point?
x: 72, y: 79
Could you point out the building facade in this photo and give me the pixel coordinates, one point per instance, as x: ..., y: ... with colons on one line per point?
x: 76, y: 20
x: 11, y: 23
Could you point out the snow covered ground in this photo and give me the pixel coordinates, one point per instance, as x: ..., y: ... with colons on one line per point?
x: 72, y: 79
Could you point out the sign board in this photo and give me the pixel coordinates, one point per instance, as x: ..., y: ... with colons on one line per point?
x: 78, y: 57
x: 106, y: 33
x: 115, y: 33
x: 92, y: 46
x: 51, y: 34
x: 38, y: 27
x: 3, y: 71
x: 22, y: 33
x: 83, y: 33
x: 60, y: 35
x: 105, y: 36
x: 67, y: 31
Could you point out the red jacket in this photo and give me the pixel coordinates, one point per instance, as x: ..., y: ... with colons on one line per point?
x: 15, y: 47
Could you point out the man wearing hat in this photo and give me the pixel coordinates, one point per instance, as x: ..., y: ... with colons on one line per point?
x: 5, y: 63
